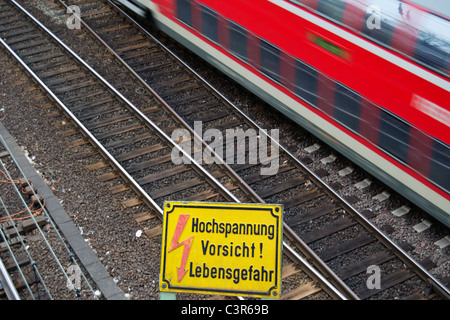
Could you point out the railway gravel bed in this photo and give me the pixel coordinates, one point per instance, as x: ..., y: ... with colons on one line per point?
x: 107, y: 226
x: 318, y: 243
x: 110, y: 228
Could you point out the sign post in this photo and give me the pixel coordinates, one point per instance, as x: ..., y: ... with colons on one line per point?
x: 222, y: 248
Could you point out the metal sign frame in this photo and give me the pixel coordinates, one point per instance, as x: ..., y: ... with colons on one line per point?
x: 222, y: 248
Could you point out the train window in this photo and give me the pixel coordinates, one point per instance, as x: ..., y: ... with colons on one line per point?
x: 253, y: 50
x: 369, y: 120
x: 184, y: 11
x: 287, y: 71
x: 270, y: 60
x: 420, y: 148
x: 347, y: 107
x: 326, y: 90
x: 440, y: 165
x: 433, y: 44
x: 209, y: 24
x: 353, y: 16
x: 441, y: 7
x: 238, y: 41
x: 306, y: 82
x: 333, y: 9
x: 394, y: 136
x: 223, y: 32
x: 380, y: 23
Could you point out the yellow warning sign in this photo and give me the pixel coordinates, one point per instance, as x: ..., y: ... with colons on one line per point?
x: 222, y: 248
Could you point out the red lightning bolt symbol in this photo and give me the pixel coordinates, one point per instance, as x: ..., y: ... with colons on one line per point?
x: 182, y: 220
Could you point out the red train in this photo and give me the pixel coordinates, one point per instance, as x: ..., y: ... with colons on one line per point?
x: 368, y: 77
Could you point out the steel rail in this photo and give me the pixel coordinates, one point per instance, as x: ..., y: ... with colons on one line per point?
x: 11, y: 253
x: 167, y: 107
x: 400, y: 253
x: 128, y: 104
x: 50, y: 221
x: 7, y: 283
x: 22, y: 240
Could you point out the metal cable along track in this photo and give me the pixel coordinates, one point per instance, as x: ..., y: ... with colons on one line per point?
x: 37, y: 219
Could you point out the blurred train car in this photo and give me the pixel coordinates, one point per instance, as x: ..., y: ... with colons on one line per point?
x: 368, y: 77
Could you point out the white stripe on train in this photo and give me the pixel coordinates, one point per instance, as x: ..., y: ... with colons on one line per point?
x: 367, y: 45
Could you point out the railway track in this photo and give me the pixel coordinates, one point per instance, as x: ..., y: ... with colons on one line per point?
x: 314, y: 212
x: 33, y: 254
x: 136, y: 146
x: 19, y: 276
x: 20, y: 219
